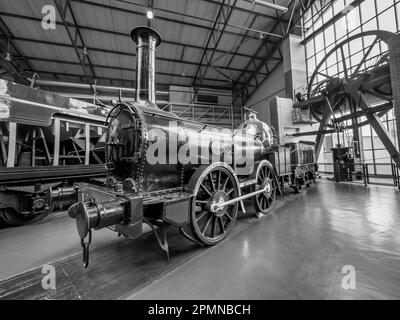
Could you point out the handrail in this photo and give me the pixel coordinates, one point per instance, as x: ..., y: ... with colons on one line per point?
x: 203, y: 105
x: 204, y: 113
x: 210, y: 113
x: 184, y: 111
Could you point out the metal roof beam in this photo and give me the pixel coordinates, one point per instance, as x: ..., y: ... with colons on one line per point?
x: 210, y: 37
x: 277, y: 46
x: 251, y: 62
x: 130, y: 54
x: 127, y: 81
x: 185, y: 15
x: 124, y: 69
x: 215, y: 33
x: 244, y: 10
x: 277, y: 22
x: 87, y: 28
x: 241, y: 42
x: 16, y: 70
x: 63, y: 7
x: 161, y: 18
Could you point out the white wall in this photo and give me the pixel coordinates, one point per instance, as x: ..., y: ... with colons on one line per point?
x: 286, y: 78
x: 294, y: 65
x: 273, y: 86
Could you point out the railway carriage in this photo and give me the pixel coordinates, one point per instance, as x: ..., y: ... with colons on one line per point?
x: 46, y: 142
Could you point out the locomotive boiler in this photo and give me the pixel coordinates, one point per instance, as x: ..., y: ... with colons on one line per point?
x: 165, y: 171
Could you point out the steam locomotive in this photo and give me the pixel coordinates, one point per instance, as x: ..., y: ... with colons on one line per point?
x: 165, y: 171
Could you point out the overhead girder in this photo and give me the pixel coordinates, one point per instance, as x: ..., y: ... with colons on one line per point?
x: 214, y: 38
x: 75, y: 37
x: 181, y: 22
x: 274, y: 49
x: 14, y: 68
x: 122, y: 34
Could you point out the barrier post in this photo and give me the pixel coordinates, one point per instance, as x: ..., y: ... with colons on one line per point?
x: 365, y: 174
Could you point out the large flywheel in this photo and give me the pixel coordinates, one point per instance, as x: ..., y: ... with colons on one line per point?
x: 351, y: 78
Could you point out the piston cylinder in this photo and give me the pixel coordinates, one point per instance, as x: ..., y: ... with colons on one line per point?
x: 62, y: 197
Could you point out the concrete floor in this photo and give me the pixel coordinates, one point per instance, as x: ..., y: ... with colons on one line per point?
x: 297, y: 252
x: 28, y: 247
x: 300, y: 251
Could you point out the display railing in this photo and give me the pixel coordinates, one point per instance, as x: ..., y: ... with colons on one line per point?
x: 364, y: 174
x: 210, y: 113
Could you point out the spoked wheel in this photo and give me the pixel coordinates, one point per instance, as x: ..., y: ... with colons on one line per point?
x: 265, y: 202
x: 12, y: 218
x: 214, y: 184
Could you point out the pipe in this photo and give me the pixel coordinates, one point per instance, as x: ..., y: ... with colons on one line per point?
x: 53, y: 83
x: 146, y: 40
x: 270, y: 5
x: 102, y: 98
x: 264, y: 33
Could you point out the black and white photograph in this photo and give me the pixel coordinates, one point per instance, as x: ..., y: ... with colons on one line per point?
x: 196, y: 157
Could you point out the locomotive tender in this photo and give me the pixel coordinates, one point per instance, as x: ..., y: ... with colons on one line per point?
x: 166, y: 171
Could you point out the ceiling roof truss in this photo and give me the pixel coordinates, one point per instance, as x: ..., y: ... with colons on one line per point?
x: 274, y: 49
x: 76, y: 39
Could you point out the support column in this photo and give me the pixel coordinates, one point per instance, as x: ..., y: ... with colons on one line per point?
x: 294, y: 65
x: 57, y: 135
x: 394, y: 60
x: 12, y: 145
x: 321, y: 132
x: 87, y: 144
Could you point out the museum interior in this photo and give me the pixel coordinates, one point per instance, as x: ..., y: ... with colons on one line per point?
x: 199, y: 150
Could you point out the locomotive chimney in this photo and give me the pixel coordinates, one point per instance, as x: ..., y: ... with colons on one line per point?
x: 147, y: 40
